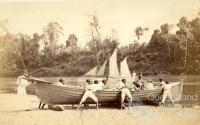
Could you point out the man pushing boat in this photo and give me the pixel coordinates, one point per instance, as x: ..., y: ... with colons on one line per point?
x: 125, y: 92
x: 167, y: 91
x: 89, y: 93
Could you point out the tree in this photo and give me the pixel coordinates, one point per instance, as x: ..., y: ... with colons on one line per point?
x: 139, y: 31
x: 72, y: 41
x: 185, y: 35
x: 71, y: 44
x: 51, y: 35
x: 94, y: 27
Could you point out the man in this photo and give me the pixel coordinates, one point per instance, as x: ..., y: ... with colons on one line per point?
x: 60, y: 83
x: 161, y: 82
x: 167, y: 91
x: 22, y: 82
x: 149, y: 85
x: 133, y: 75
x: 139, y: 82
x: 103, y: 84
x: 83, y: 85
x: 89, y: 93
x: 96, y: 86
x: 125, y: 92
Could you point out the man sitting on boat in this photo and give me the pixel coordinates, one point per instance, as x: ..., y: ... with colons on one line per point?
x: 167, y: 91
x: 60, y: 83
x: 149, y: 85
x: 133, y: 75
x: 139, y: 83
x: 96, y: 86
x: 125, y: 92
x: 103, y: 84
x: 89, y: 93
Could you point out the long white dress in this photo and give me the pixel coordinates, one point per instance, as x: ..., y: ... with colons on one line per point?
x: 21, y: 92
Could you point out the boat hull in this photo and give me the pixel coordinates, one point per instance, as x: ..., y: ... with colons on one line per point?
x: 52, y: 94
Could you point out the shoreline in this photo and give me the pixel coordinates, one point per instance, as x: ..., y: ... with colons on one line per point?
x: 12, y: 113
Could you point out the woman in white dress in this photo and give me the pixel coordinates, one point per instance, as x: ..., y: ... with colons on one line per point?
x: 22, y: 83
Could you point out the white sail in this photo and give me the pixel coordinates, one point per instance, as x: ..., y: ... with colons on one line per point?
x: 92, y: 72
x: 113, y: 68
x: 124, y: 70
x: 102, y: 69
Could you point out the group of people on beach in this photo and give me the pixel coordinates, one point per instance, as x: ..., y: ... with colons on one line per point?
x: 92, y: 86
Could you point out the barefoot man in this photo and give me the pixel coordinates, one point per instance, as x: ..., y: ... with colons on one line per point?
x: 124, y: 92
x: 167, y: 91
x: 89, y: 93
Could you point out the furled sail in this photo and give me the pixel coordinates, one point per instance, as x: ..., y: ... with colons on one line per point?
x: 102, y: 69
x: 92, y: 72
x: 113, y: 68
x: 124, y: 70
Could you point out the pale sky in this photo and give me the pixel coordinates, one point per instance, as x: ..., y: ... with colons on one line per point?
x: 122, y: 15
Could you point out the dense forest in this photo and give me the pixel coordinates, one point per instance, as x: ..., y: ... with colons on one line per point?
x: 43, y: 56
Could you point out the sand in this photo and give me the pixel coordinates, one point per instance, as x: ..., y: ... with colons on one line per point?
x: 12, y: 112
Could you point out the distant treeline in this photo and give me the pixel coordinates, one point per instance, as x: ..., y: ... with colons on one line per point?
x: 43, y: 56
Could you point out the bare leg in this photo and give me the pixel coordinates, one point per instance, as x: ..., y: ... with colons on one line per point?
x: 165, y: 93
x: 85, y: 96
x: 79, y: 105
x: 97, y: 105
x: 122, y: 99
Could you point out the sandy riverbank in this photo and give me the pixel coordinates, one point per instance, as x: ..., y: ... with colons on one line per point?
x: 12, y: 113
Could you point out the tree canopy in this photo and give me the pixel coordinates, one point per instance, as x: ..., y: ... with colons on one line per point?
x: 43, y: 56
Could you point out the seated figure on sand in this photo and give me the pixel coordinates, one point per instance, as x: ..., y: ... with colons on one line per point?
x: 125, y: 92
x: 54, y: 107
x: 89, y: 93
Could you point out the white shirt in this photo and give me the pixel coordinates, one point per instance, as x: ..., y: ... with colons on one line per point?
x: 120, y: 85
x: 101, y: 85
x: 162, y: 83
x: 58, y: 84
x: 92, y: 87
x: 149, y: 86
x: 133, y: 76
x: 95, y: 87
x: 169, y: 86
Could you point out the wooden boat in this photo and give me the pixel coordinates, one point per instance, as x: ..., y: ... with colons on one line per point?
x: 52, y: 94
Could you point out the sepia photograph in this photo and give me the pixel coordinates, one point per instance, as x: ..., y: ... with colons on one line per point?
x: 99, y: 62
